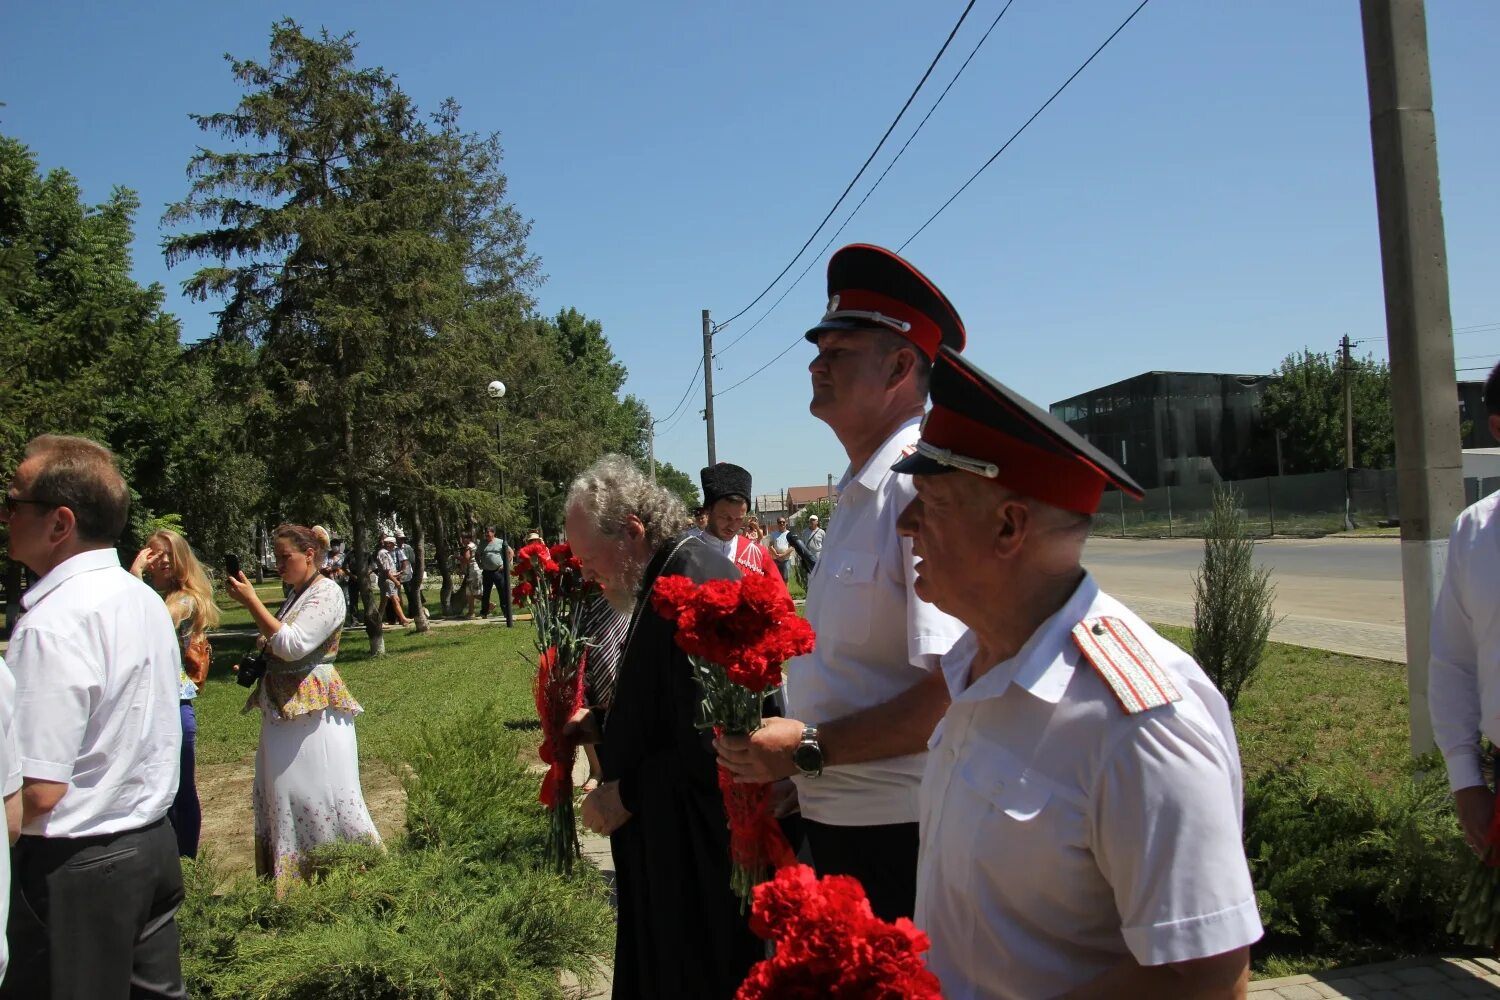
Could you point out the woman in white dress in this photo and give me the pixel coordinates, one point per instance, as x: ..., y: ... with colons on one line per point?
x: 307, y: 765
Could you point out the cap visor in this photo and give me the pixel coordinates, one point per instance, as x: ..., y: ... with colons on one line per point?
x: 918, y: 464
x: 838, y: 324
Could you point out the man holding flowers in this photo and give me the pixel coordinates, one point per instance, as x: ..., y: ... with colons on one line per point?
x: 681, y: 932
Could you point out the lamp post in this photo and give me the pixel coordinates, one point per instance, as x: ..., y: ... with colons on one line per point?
x: 496, y: 389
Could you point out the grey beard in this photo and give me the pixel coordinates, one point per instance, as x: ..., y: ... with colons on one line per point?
x: 627, y: 582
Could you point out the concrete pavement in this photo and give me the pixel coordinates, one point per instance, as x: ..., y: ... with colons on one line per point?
x: 1411, y: 979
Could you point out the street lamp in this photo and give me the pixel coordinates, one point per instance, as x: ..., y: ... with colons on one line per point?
x: 496, y: 389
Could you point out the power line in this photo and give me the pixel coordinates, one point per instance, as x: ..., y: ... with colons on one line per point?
x: 761, y: 368
x: 972, y: 52
x: 1023, y: 128
x: 930, y: 67
x: 692, y: 384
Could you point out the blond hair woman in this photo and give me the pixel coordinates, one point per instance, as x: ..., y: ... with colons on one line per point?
x: 168, y: 564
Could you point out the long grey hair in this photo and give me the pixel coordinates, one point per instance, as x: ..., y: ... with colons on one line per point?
x: 613, y: 488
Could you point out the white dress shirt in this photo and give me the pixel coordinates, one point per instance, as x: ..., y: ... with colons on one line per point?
x: 1463, y: 678
x: 10, y: 784
x: 96, y: 663
x: 1061, y: 834
x: 876, y: 639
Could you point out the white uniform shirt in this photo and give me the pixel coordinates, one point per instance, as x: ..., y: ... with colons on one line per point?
x: 1463, y: 678
x: 96, y: 663
x: 1060, y: 834
x: 875, y: 639
x: 10, y: 783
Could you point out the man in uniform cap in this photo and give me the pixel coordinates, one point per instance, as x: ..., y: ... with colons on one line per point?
x: 1081, y: 800
x: 863, y: 704
x: 726, y: 497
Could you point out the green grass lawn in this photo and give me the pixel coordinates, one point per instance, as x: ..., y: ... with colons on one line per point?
x: 421, y: 678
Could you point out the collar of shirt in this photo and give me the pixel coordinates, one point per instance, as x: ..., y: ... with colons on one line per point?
x: 726, y: 547
x: 1042, y: 677
x: 83, y: 562
x: 878, y: 467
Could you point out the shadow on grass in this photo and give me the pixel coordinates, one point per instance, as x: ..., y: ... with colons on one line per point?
x: 523, y: 725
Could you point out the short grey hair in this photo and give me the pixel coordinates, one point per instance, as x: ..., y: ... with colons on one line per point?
x: 613, y: 488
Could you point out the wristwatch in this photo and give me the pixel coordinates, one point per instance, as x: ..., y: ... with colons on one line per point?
x: 808, y: 754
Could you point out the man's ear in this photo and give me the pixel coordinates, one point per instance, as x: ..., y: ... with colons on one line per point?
x: 64, y: 525
x: 1011, y: 525
x: 1495, y: 427
x: 903, y: 360
x: 634, y: 527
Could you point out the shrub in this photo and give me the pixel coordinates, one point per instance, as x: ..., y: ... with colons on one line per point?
x: 1348, y: 870
x: 1232, y: 601
x: 462, y: 909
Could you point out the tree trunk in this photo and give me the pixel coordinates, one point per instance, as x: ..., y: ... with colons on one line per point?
x: 440, y: 541
x: 419, y: 571
x: 260, y: 552
x: 374, y: 628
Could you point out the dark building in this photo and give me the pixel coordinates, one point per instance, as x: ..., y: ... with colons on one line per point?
x: 1178, y: 428
x: 1174, y: 428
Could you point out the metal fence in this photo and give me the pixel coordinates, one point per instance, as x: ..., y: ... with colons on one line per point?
x: 1307, y: 505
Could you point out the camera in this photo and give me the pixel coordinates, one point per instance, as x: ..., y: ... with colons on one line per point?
x: 252, y: 667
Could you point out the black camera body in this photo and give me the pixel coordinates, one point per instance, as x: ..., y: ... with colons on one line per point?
x: 252, y: 667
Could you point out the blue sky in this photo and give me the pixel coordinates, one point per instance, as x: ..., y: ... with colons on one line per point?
x: 1200, y: 199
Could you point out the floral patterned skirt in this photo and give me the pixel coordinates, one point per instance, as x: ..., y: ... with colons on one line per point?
x: 306, y: 792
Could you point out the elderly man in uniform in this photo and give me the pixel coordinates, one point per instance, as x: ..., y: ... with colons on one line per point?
x: 862, y: 705
x: 1081, y: 802
x: 681, y: 933
x: 726, y: 496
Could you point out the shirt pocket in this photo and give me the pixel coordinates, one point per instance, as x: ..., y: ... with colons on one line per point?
x: 849, y: 596
x: 1019, y: 818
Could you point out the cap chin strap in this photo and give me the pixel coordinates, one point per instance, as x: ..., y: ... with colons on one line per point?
x: 878, y: 318
x: 943, y: 456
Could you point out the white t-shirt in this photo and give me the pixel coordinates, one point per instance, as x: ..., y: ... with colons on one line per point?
x: 1463, y: 680
x: 96, y: 664
x: 10, y: 784
x: 875, y: 639
x: 1061, y: 834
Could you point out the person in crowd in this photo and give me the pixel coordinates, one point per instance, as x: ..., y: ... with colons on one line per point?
x: 700, y: 522
x: 10, y: 789
x: 470, y: 574
x: 1080, y: 808
x: 726, y: 494
x: 96, y: 881
x: 813, y: 535
x: 168, y: 564
x: 307, y: 788
x: 494, y: 565
x: 681, y: 934
x: 863, y: 704
x: 1463, y: 679
x: 605, y: 627
x: 390, y: 581
x: 336, y: 568
x: 781, y: 550
x: 411, y: 581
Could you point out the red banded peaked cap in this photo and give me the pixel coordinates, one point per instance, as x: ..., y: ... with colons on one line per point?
x: 978, y: 425
x: 870, y: 288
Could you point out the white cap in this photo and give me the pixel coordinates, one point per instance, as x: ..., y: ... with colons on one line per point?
x: 812, y: 517
x: 472, y: 546
x: 388, y: 538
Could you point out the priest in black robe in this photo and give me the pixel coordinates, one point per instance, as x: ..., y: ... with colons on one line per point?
x: 680, y: 930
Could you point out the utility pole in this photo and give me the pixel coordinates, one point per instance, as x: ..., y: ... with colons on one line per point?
x: 708, y: 384
x: 830, y: 495
x: 1346, y: 365
x: 651, y: 446
x: 1419, y: 325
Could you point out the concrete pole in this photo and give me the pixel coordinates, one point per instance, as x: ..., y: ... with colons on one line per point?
x: 651, y: 446
x: 830, y: 496
x: 1346, y: 366
x: 708, y: 384
x: 1419, y: 326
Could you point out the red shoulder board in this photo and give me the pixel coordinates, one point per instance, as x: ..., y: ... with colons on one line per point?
x: 1118, y: 656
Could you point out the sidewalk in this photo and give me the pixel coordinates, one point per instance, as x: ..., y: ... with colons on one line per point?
x: 1380, y: 642
x: 1411, y: 979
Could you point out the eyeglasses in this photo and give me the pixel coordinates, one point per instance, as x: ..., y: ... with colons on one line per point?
x: 11, y: 503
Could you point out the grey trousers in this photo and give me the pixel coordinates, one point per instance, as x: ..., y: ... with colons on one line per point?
x: 95, y: 918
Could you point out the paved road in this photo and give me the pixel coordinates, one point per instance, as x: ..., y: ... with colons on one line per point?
x: 1341, y: 594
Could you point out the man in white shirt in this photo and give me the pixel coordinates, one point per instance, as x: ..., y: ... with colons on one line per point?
x: 390, y: 580
x: 1463, y: 677
x: 813, y: 535
x: 96, y: 664
x: 862, y: 705
x: 1081, y: 801
x: 781, y: 549
x: 10, y: 788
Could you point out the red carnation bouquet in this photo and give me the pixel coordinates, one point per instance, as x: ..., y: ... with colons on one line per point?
x: 737, y: 633
x: 552, y: 583
x: 1476, y: 913
x: 828, y: 943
